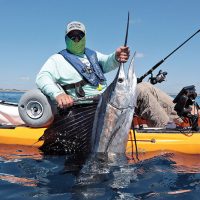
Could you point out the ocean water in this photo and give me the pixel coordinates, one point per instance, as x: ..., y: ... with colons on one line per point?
x: 15, y: 96
x: 11, y: 96
x: 27, y: 174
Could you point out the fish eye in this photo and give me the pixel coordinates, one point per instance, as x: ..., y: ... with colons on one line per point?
x: 120, y: 80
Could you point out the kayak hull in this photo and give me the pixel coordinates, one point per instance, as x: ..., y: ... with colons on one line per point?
x: 21, y: 136
x: 164, y: 141
x: 146, y: 140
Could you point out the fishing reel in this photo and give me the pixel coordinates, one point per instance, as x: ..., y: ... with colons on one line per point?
x: 160, y: 77
x: 183, y: 102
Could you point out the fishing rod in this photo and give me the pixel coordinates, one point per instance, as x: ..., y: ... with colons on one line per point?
x: 161, y: 61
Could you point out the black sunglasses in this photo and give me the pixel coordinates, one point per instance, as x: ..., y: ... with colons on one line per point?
x: 76, y: 35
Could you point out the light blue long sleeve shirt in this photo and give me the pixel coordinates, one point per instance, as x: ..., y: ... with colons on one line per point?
x: 57, y: 70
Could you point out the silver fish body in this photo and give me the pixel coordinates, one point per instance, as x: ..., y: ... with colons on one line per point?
x: 114, y: 113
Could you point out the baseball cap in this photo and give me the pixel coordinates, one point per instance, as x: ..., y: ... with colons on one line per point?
x: 75, y: 25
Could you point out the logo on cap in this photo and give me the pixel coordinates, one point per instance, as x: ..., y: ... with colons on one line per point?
x: 75, y: 26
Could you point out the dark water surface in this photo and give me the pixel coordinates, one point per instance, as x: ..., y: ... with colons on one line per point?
x: 25, y: 173
x: 165, y: 176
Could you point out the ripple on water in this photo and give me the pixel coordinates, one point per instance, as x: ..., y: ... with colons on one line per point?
x: 156, y: 176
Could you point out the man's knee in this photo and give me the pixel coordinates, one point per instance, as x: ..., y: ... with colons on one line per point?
x: 143, y: 89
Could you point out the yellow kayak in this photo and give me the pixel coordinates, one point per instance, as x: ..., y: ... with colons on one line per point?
x: 147, y: 140
x: 162, y: 140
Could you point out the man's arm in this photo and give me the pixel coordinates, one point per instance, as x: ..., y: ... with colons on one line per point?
x: 46, y: 81
x: 112, y: 61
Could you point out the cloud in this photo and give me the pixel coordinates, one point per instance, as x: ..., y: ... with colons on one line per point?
x: 24, y: 78
x: 135, y: 21
x: 139, y: 55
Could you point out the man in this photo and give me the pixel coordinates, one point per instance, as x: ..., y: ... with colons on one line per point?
x: 75, y: 72
x: 78, y: 70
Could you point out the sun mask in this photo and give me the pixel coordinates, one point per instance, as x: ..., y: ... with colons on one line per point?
x: 76, y: 48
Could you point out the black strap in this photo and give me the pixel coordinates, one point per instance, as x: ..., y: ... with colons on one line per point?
x: 77, y: 86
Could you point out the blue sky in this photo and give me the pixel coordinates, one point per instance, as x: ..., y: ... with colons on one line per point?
x: 33, y: 30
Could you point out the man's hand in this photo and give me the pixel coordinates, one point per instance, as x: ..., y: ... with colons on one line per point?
x: 122, y: 54
x: 64, y: 101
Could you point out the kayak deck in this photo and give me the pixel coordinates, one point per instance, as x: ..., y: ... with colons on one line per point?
x: 21, y: 135
x: 147, y: 140
x: 150, y: 140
